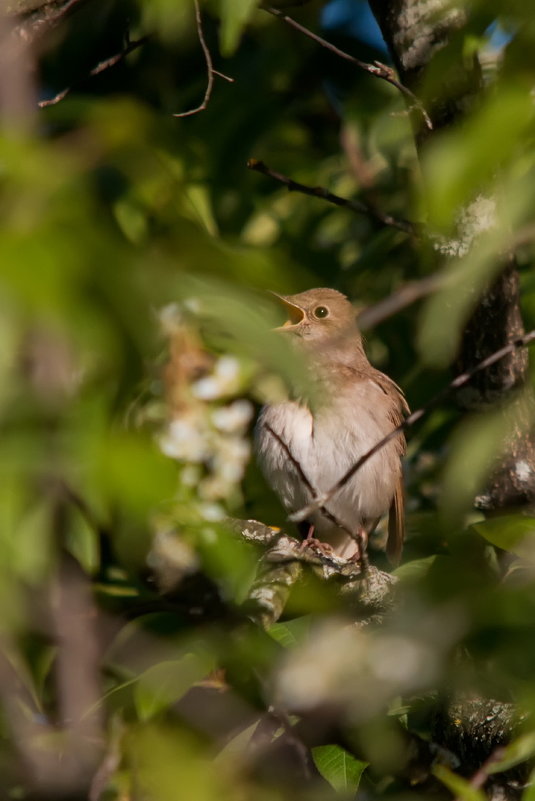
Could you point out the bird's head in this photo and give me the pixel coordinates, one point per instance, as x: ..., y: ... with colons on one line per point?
x: 319, y: 316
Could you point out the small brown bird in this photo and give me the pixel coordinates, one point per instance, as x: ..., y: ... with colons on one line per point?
x: 305, y: 447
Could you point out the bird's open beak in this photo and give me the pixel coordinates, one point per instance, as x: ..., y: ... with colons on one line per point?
x: 295, y: 313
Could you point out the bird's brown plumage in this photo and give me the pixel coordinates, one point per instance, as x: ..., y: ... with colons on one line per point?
x: 360, y: 406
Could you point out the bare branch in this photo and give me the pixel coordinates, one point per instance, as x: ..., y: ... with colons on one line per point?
x: 377, y: 69
x: 321, y: 192
x: 400, y: 299
x: 210, y: 71
x: 102, y: 66
x: 413, y: 418
x: 415, y: 290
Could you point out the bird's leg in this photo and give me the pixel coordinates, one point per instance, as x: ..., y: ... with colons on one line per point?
x: 309, y: 537
x: 310, y: 541
x: 361, y: 554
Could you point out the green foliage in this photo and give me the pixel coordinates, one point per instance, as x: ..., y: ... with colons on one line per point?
x: 135, y: 350
x: 234, y: 16
x: 515, y: 753
x: 339, y: 768
x: 512, y: 533
x: 458, y: 786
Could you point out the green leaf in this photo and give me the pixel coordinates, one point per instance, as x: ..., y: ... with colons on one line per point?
x: 165, y: 683
x: 475, y: 446
x: 515, y: 533
x: 292, y: 632
x: 529, y: 792
x: 416, y: 569
x: 460, y: 787
x: 339, y: 767
x: 461, y: 159
x: 234, y: 16
x: 518, y: 751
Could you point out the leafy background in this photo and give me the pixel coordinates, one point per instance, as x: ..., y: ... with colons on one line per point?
x: 131, y: 239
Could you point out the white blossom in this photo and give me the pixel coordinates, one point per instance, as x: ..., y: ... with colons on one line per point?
x: 234, y: 417
x: 185, y: 439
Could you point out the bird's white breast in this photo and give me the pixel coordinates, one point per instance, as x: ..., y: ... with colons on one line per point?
x: 326, y: 445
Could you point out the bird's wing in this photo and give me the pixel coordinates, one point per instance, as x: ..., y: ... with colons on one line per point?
x: 396, y: 524
x: 396, y: 515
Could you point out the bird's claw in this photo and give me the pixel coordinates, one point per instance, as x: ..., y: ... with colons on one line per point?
x: 317, y: 546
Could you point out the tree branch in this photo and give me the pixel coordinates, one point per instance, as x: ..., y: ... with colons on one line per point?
x: 386, y: 220
x: 400, y: 299
x: 102, y: 66
x: 377, y: 69
x: 413, y: 418
x: 210, y: 71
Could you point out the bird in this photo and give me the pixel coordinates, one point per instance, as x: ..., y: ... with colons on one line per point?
x: 304, y: 445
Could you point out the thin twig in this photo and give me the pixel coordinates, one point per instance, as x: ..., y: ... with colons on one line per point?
x: 415, y: 290
x: 400, y: 299
x: 413, y: 418
x: 377, y: 69
x: 102, y: 66
x: 210, y: 71
x: 324, y: 194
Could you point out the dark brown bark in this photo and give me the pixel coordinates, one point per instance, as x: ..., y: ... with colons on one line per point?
x: 30, y: 20
x: 423, y: 36
x: 416, y: 32
x: 495, y: 321
x: 425, y: 40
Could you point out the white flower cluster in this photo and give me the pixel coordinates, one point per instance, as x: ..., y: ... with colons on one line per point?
x: 207, y: 431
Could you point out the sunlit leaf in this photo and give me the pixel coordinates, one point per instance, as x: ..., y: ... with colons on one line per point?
x: 514, y: 533
x: 340, y: 768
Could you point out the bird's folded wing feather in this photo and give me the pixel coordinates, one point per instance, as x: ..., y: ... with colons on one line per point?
x: 396, y: 524
x: 396, y: 515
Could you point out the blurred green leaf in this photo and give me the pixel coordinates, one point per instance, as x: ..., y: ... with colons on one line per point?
x: 165, y: 683
x: 520, y: 750
x: 292, y: 632
x: 514, y: 533
x: 461, y: 788
x: 340, y: 768
x: 167, y: 761
x: 234, y: 16
x: 475, y: 447
x: 459, y: 163
x: 416, y: 569
x: 82, y: 541
x: 529, y: 791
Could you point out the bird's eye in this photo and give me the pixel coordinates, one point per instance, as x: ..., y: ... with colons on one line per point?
x: 321, y: 311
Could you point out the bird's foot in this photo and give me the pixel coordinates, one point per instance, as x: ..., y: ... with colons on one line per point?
x: 314, y: 544
x: 317, y: 546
